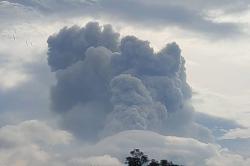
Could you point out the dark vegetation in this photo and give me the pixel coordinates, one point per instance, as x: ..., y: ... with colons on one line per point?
x: 138, y: 158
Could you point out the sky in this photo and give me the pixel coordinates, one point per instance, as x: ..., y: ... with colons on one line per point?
x: 84, y: 82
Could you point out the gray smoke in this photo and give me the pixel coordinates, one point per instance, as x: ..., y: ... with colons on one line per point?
x: 106, y: 85
x: 70, y: 45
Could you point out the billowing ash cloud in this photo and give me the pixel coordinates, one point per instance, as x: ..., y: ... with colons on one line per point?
x: 70, y: 45
x: 106, y: 85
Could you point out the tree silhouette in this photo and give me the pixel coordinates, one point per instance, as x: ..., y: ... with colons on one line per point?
x: 167, y: 163
x: 154, y: 163
x: 138, y: 158
x: 164, y: 162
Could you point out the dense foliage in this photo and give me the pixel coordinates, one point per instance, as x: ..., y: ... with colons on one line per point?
x: 138, y: 158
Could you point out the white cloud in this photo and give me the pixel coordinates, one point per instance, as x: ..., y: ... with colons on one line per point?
x: 235, y: 107
x: 35, y: 143
x: 104, y: 160
x: 12, y: 13
x: 23, y: 156
x: 237, y: 133
x: 33, y: 131
x: 227, y: 159
x: 181, y: 150
x: 11, y: 78
x: 29, y: 143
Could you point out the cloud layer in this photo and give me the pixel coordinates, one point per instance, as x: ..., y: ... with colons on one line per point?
x: 189, y: 15
x: 181, y: 150
x: 29, y: 143
x: 36, y: 143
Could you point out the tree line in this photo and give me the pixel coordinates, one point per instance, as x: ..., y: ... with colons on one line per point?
x: 138, y: 158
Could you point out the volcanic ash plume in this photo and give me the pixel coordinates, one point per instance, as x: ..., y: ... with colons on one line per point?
x: 106, y: 84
